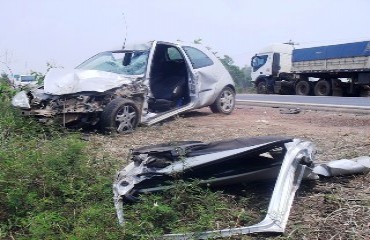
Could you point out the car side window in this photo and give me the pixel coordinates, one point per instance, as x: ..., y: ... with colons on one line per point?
x: 197, y: 58
x: 174, y: 54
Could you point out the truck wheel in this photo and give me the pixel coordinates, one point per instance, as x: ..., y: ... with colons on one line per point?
x: 120, y: 115
x: 322, y: 88
x: 225, y: 102
x: 302, y: 88
x: 261, y: 87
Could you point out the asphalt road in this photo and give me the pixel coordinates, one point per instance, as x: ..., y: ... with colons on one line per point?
x: 313, y: 101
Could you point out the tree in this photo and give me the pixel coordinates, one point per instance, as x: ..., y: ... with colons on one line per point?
x: 240, y: 76
x: 236, y: 73
x: 247, y: 72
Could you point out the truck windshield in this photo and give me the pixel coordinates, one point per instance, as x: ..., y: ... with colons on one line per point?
x: 258, y: 61
x: 29, y: 78
x: 121, y: 62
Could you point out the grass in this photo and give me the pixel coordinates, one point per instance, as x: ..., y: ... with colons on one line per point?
x: 50, y: 186
x: 187, y: 207
x: 188, y: 203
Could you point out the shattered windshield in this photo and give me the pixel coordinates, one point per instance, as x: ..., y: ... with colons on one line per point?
x: 121, y: 62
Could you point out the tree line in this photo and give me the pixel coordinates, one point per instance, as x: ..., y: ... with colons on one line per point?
x: 241, y: 76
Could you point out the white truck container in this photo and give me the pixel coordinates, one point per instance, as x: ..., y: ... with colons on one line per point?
x: 342, y: 69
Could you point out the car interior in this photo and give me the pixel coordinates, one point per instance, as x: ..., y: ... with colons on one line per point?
x: 168, y: 79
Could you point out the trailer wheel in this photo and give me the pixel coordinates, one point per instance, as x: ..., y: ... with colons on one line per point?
x: 302, y: 88
x: 322, y: 88
x: 261, y: 87
x: 120, y: 115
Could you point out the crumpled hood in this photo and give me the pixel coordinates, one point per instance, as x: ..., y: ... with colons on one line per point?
x: 63, y: 81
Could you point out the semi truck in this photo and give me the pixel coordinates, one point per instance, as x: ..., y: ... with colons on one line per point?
x: 339, y: 70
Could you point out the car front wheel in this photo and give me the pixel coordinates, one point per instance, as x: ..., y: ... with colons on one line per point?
x: 120, y: 116
x: 225, y: 102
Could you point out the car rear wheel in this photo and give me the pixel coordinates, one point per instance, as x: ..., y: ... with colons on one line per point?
x: 120, y: 116
x: 225, y: 102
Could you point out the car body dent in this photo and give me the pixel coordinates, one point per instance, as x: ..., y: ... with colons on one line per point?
x: 63, y: 81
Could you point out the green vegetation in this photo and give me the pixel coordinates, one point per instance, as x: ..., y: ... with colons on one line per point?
x: 241, y: 76
x: 190, y: 208
x: 53, y: 186
x: 50, y: 187
x: 5, y: 90
x: 41, y: 76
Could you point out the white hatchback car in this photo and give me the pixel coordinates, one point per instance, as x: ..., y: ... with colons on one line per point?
x: 141, y: 84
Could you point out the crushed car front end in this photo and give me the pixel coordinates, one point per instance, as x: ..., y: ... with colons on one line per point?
x: 80, y: 95
x: 85, y: 107
x: 35, y: 103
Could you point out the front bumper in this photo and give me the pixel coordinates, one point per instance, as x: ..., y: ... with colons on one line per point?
x: 21, y: 100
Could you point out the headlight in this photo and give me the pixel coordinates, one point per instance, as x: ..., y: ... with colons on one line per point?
x: 21, y: 100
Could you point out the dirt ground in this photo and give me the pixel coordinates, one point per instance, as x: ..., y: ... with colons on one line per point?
x: 337, y: 208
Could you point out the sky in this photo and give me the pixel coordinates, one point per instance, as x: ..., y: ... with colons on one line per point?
x: 67, y: 32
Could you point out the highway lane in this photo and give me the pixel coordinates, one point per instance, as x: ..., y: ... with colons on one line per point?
x: 296, y: 100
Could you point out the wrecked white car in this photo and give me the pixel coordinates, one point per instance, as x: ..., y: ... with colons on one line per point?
x: 143, y: 83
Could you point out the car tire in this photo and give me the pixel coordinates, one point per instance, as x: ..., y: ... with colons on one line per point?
x: 302, y: 88
x: 120, y: 116
x: 262, y: 87
x: 225, y: 102
x: 323, y: 88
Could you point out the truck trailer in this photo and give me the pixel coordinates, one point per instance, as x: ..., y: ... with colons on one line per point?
x: 339, y: 70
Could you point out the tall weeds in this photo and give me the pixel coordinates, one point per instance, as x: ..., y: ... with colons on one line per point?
x: 49, y: 189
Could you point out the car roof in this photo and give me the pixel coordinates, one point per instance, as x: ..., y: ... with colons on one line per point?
x: 143, y: 46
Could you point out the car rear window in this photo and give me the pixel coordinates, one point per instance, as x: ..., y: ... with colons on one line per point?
x: 197, y: 58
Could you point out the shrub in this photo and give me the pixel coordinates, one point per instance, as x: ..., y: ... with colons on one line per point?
x: 49, y: 187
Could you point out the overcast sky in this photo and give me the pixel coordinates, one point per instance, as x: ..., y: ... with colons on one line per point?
x: 70, y: 31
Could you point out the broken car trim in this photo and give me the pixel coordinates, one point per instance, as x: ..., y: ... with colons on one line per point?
x: 290, y: 170
x: 226, y: 162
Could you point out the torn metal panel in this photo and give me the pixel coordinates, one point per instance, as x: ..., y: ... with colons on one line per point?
x: 221, y: 163
x: 291, y: 173
x: 343, y: 167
